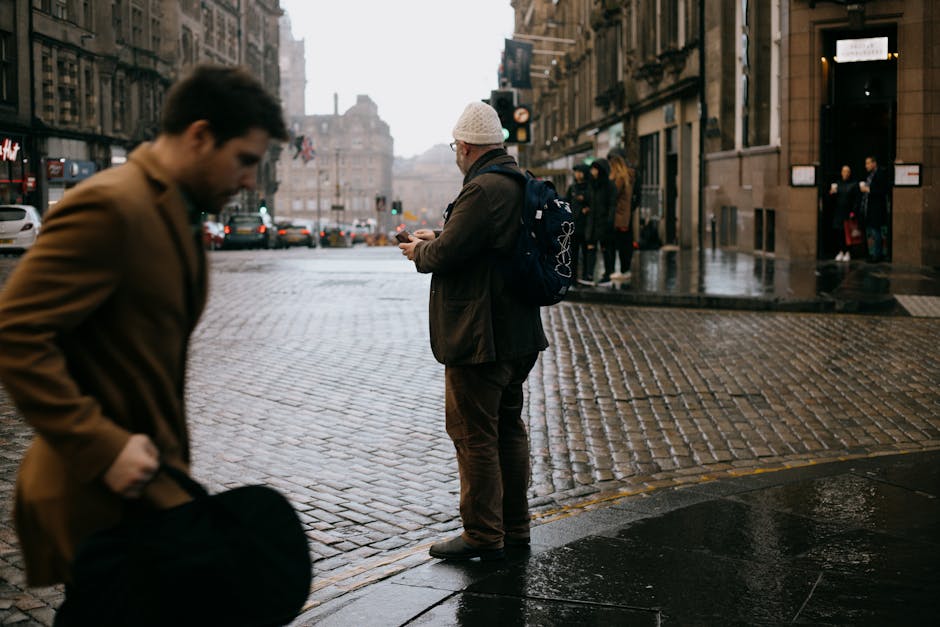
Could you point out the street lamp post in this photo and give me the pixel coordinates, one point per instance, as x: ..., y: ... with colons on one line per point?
x: 319, y: 185
x: 336, y: 165
x: 338, y: 202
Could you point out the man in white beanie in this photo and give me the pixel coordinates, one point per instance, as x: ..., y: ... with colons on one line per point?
x: 487, y: 339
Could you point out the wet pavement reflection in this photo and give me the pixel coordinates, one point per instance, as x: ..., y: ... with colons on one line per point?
x: 722, y: 273
x: 486, y: 611
x: 847, y: 543
x: 682, y: 585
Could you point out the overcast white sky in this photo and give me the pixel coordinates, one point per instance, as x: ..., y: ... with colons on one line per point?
x: 421, y: 61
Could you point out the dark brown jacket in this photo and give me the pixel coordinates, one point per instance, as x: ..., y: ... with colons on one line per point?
x: 94, y: 330
x: 474, y: 317
x: 602, y: 198
x: 875, y: 203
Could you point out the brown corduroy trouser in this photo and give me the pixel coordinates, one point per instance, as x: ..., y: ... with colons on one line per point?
x: 483, y: 408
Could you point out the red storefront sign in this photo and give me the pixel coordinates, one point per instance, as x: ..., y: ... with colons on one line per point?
x: 9, y: 149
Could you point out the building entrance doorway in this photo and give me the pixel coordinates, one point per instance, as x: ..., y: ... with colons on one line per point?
x: 858, y: 120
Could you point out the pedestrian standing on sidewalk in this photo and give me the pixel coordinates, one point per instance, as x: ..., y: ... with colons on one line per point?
x: 577, y: 198
x: 847, y: 196
x: 624, y: 178
x: 95, y: 321
x: 875, y: 190
x: 602, y: 199
x: 487, y: 338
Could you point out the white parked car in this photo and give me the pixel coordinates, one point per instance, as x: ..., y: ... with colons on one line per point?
x: 19, y: 226
x: 360, y: 231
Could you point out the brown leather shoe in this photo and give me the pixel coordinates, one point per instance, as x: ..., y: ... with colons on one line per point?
x: 457, y: 549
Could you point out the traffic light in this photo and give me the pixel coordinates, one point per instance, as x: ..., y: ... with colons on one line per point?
x: 396, y: 207
x: 514, y: 118
x: 504, y: 101
x: 521, y: 117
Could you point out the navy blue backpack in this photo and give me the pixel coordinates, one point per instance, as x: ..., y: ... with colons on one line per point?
x: 539, y: 267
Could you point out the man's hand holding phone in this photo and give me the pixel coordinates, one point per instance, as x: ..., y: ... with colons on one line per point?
x: 403, y: 237
x: 407, y: 242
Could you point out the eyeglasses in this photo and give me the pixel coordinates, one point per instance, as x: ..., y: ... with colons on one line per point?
x: 453, y: 145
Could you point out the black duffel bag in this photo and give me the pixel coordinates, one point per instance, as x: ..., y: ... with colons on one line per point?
x: 237, y: 558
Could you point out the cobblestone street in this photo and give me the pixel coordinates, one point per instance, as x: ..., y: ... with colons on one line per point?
x: 311, y: 372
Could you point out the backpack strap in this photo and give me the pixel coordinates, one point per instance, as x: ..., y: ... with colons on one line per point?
x: 516, y: 174
x: 501, y: 169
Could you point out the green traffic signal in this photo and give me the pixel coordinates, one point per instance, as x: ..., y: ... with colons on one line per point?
x: 504, y: 101
x: 514, y: 118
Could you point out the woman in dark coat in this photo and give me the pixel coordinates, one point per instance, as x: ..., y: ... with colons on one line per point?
x: 847, y: 196
x: 602, y: 200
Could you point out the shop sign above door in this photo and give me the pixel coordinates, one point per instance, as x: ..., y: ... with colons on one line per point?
x: 866, y: 49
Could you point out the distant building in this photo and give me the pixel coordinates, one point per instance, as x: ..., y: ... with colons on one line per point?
x: 351, y: 165
x: 426, y: 184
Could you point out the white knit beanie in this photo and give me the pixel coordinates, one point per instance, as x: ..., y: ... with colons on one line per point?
x: 479, y: 124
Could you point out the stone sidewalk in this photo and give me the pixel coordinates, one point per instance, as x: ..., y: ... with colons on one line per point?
x: 311, y: 372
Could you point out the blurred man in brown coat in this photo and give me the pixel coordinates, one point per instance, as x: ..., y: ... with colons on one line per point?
x: 95, y: 320
x: 487, y: 339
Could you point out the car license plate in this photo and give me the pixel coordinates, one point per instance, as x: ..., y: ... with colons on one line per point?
x: 6, y: 241
x: 244, y: 231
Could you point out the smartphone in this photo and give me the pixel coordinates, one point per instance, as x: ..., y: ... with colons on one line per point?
x: 403, y: 236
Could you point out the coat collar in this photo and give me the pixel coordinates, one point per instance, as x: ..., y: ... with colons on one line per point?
x: 497, y: 155
x: 173, y: 209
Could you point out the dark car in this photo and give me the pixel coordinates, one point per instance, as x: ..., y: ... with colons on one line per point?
x: 334, y: 237
x: 250, y: 230
x: 295, y: 234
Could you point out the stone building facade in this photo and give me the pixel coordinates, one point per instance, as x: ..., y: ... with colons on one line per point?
x: 82, y: 81
x: 292, y: 69
x: 863, y: 79
x: 619, y: 74
x: 739, y: 113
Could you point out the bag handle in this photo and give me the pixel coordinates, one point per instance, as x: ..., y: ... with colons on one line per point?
x: 190, y: 485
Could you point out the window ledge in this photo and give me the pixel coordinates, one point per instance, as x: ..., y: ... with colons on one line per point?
x: 743, y: 152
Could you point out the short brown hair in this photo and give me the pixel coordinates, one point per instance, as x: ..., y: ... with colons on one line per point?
x: 230, y: 99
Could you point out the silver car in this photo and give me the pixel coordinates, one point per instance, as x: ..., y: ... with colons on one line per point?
x: 19, y: 226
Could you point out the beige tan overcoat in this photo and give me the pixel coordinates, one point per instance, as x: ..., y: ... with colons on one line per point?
x: 94, y: 331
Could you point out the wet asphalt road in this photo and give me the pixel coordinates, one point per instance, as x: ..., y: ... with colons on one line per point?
x: 311, y: 372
